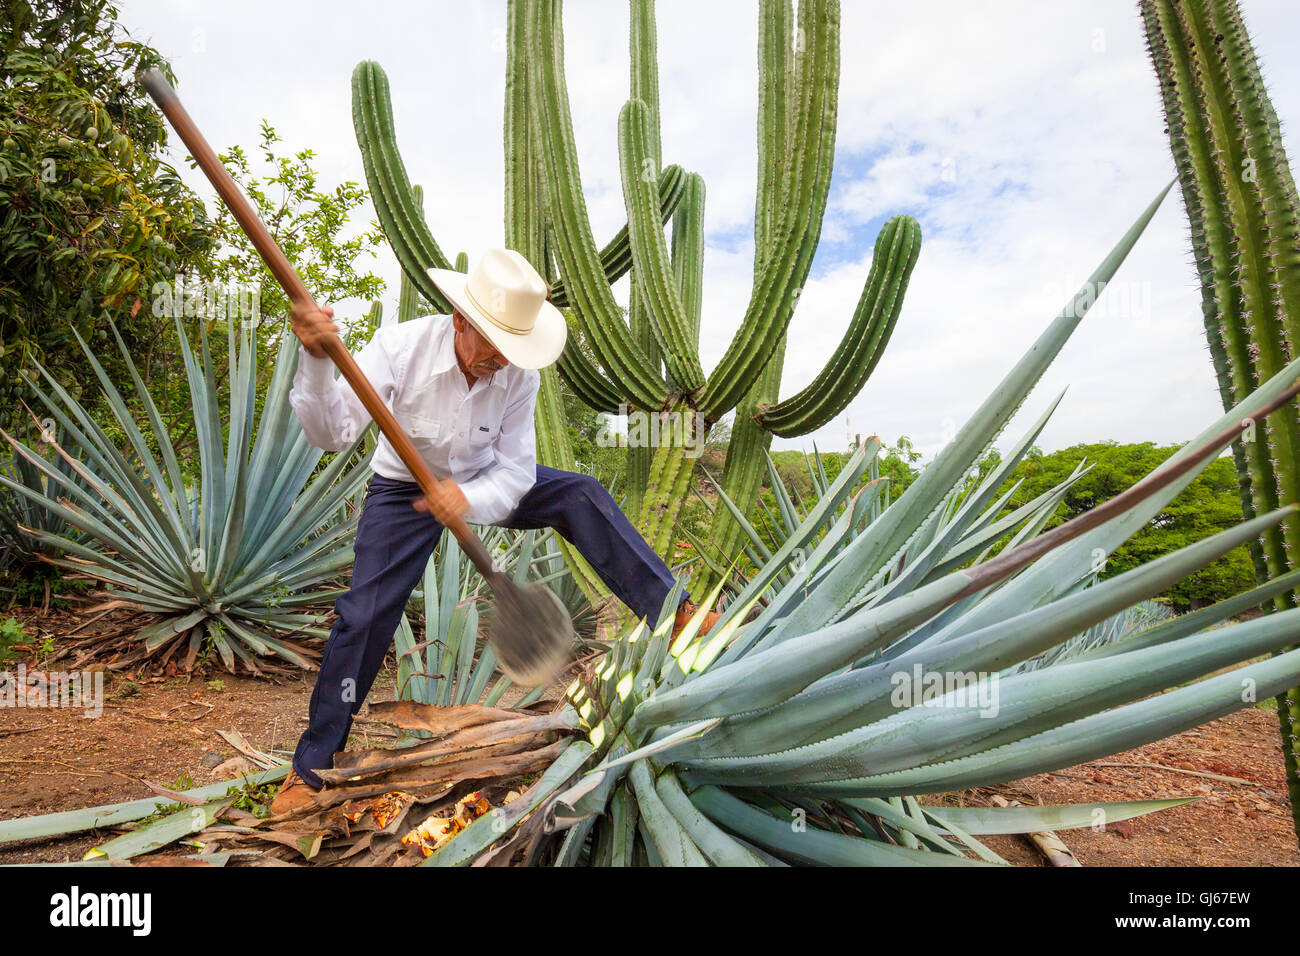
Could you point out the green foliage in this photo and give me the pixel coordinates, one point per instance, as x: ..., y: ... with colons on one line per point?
x: 253, y: 798
x: 230, y: 283
x: 1208, y: 505
x: 90, y: 214
x: 312, y: 226
x: 898, y: 465
x: 11, y: 632
x: 38, y: 584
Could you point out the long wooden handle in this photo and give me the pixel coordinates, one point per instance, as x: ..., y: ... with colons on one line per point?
x: 158, y: 88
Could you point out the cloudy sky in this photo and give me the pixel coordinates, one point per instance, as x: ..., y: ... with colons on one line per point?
x: 1024, y: 136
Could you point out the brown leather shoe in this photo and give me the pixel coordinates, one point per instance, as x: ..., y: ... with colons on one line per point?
x: 294, y: 792
x: 685, y: 612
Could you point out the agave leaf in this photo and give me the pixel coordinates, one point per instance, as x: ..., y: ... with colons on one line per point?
x: 809, y: 845
x: 168, y: 830
x: 999, y: 820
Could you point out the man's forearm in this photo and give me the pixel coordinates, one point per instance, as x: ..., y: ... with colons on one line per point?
x: 316, y: 401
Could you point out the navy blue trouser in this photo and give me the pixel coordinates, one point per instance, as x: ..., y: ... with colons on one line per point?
x: 393, y: 545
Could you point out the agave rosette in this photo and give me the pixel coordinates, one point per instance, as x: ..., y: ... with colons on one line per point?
x: 243, y: 557
x: 784, y: 740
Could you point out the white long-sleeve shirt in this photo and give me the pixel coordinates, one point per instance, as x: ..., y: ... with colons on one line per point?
x: 480, y: 437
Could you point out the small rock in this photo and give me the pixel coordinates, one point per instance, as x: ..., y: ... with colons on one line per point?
x: 1263, y: 806
x: 210, y: 760
x: 1186, y: 765
x: 232, y: 767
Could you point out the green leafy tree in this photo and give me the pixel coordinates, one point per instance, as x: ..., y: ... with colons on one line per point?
x: 1208, y: 505
x: 91, y: 216
x: 311, y: 224
x: 230, y: 282
x: 898, y: 464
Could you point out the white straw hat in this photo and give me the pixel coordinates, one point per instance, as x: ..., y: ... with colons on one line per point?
x: 504, y: 298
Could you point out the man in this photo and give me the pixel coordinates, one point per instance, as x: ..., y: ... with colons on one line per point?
x: 463, y: 387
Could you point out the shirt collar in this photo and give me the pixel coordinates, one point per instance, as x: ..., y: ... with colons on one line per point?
x: 444, y: 359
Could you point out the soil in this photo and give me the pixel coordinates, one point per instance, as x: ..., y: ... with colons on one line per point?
x: 164, y: 729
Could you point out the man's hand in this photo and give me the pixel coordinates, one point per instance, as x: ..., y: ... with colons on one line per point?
x: 447, y: 503
x: 313, y: 326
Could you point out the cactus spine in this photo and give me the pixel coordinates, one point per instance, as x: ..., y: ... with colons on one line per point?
x: 648, y: 358
x: 1242, y: 205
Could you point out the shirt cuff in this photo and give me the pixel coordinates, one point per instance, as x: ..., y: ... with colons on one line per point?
x: 479, y: 493
x: 317, y: 373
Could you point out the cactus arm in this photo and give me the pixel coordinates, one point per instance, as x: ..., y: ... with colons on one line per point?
x: 644, y: 470
x: 593, y: 300
x: 525, y: 232
x: 526, y: 229
x: 1245, y: 308
x: 775, y: 80
x: 525, y: 223
x: 798, y: 218
x: 616, y: 255
x: 864, y: 342
x: 1242, y: 206
x: 742, y: 473
x: 1228, y: 342
x: 643, y: 58
x: 586, y: 380
x: 669, y: 482
x: 1280, y: 205
x: 657, y: 289
x: 688, y: 252
x: 555, y: 450
x: 390, y: 188
x: 408, y: 297
x: 643, y: 50
x: 373, y: 319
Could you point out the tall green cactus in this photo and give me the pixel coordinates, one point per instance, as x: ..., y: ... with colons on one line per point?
x: 647, y: 358
x: 1242, y: 204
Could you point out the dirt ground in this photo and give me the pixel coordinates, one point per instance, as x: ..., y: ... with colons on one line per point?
x: 164, y: 729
